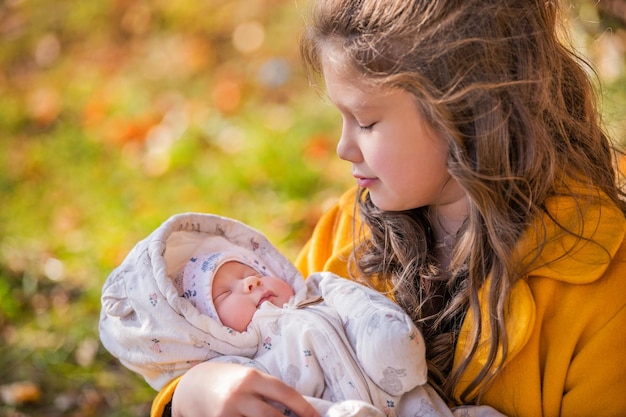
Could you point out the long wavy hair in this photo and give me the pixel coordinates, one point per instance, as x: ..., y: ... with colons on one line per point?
x: 517, y: 108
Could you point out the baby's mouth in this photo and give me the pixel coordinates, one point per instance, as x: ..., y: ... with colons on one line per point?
x: 265, y: 297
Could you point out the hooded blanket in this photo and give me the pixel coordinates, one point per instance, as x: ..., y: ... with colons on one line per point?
x: 335, y: 340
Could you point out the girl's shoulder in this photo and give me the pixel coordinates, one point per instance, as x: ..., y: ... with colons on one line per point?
x: 332, y: 240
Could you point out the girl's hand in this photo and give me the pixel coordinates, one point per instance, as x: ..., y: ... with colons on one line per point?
x: 213, y: 389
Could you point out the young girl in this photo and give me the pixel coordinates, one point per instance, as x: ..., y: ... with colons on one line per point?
x: 488, y: 205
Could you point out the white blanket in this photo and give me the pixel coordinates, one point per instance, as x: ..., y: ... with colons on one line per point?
x: 351, y: 346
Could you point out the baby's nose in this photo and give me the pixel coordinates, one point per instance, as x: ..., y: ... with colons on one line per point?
x: 251, y: 282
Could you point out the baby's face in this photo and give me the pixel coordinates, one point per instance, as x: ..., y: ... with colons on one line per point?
x: 238, y: 291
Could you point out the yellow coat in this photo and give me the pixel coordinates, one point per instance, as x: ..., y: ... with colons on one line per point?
x: 567, y: 319
x: 566, y: 322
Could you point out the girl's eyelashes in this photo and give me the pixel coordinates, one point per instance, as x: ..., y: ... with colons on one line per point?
x: 349, y: 117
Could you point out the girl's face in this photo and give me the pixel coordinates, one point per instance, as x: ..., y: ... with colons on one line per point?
x: 238, y: 292
x: 394, y: 152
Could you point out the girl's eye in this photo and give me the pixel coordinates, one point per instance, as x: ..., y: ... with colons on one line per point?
x: 368, y: 127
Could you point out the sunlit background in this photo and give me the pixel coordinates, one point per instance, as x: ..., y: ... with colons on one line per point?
x: 115, y: 115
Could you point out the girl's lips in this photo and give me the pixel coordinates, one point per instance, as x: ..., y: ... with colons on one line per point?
x: 365, y: 182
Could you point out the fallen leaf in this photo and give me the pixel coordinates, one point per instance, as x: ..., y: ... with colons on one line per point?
x: 19, y: 393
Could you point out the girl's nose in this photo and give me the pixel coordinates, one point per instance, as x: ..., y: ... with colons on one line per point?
x: 347, y: 148
x: 250, y: 283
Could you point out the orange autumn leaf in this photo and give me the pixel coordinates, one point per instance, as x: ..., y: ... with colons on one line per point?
x: 318, y: 147
x: 227, y: 95
x: 122, y: 131
x: 19, y: 393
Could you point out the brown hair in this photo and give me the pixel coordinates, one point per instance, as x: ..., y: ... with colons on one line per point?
x: 518, y: 111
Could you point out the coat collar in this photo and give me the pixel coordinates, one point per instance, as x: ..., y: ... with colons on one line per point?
x: 564, y: 257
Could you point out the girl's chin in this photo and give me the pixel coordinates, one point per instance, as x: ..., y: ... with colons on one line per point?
x: 381, y: 202
x: 386, y: 203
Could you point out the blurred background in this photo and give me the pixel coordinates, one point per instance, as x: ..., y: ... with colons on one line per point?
x: 116, y: 114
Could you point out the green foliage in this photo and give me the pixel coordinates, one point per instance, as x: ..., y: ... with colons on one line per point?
x: 115, y: 115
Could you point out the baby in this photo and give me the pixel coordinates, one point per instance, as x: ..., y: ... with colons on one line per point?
x: 230, y: 288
